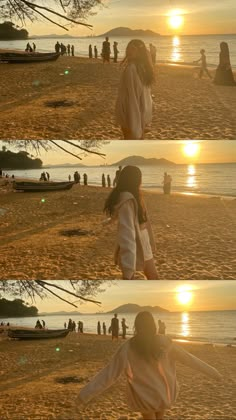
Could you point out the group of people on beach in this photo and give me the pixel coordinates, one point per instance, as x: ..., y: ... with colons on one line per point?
x: 63, y: 49
x: 106, y: 51
x: 40, y: 325
x: 29, y: 48
x: 71, y: 326
x: 45, y: 176
x: 114, y: 328
x: 224, y: 74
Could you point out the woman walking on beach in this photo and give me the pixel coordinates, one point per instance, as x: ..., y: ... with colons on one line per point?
x: 134, y: 102
x: 224, y: 74
x: 148, y: 361
x: 135, y: 242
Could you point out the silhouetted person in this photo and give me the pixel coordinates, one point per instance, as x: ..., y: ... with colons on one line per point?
x: 108, y: 181
x: 72, y: 50
x: 34, y: 47
x: 70, y: 326
x: 69, y: 177
x: 99, y: 328
x: 203, y: 68
x: 65, y: 325
x: 95, y: 52
x: 104, y: 328
x: 117, y: 176
x: 57, y: 47
x: 90, y: 51
x: 167, y: 183
x: 43, y: 323
x: 68, y: 49
x: 38, y: 325
x: 115, y: 327
x: 161, y: 327
x: 153, y: 52
x: 81, y: 327
x: 85, y: 179
x: 106, y: 51
x: 73, y: 326
x: 124, y: 328
x: 224, y: 74
x: 103, y: 181
x: 116, y: 52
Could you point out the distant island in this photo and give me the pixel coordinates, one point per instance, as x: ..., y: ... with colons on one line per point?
x: 64, y: 165
x: 8, y: 32
x: 20, y: 160
x: 129, y: 308
x: 142, y: 161
x: 122, y: 31
x: 16, y: 308
x: 64, y: 313
x: 52, y: 36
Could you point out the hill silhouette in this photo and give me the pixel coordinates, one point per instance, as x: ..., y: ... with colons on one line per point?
x: 142, y: 161
x: 123, y: 31
x: 134, y: 308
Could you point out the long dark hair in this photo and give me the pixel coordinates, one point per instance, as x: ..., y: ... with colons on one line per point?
x: 129, y: 180
x: 143, y: 61
x: 146, y: 342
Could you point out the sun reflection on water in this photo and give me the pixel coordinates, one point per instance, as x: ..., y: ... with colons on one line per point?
x: 175, y: 53
x: 185, y: 328
x: 191, y: 180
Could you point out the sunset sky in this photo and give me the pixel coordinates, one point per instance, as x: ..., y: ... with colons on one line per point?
x: 199, y: 295
x: 199, y: 17
x: 207, y: 151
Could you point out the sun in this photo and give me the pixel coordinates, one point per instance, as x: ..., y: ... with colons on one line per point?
x: 176, y: 20
x: 191, y: 149
x: 184, y: 295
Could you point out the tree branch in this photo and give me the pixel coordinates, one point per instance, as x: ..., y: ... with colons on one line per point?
x: 83, y: 148
x: 43, y: 282
x: 67, y: 151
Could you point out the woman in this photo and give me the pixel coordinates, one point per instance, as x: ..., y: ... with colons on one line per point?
x: 148, y: 361
x: 224, y: 74
x: 134, y: 102
x: 135, y: 242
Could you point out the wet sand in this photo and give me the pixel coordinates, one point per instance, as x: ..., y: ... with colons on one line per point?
x: 195, y: 236
x: 29, y: 370
x: 184, y: 106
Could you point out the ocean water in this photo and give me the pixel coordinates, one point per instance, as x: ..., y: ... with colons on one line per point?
x: 181, y: 49
x: 213, y: 327
x: 215, y: 179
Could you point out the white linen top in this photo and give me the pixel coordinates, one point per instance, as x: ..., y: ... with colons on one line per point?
x: 151, y: 386
x: 134, y: 103
x: 129, y: 254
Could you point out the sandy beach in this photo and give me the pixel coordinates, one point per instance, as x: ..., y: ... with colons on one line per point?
x: 184, y: 106
x: 30, y: 371
x: 195, y: 236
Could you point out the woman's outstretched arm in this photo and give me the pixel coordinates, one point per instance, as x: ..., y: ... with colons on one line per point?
x: 193, y: 362
x: 127, y: 239
x: 106, y: 377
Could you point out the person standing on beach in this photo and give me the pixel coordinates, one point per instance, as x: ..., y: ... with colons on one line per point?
x: 149, y: 362
x: 103, y: 181
x: 104, y: 328
x: 115, y: 327
x: 68, y: 49
x: 57, y: 47
x: 116, y: 52
x: 99, y: 328
x: 106, y: 51
x: 43, y: 324
x: 124, y: 328
x: 134, y: 101
x: 167, y: 184
x: 224, y: 75
x: 85, y: 179
x: 153, y: 52
x: 117, y: 176
x: 72, y: 50
x: 48, y: 176
x: 135, y: 241
x: 108, y: 181
x: 90, y: 51
x: 95, y: 52
x: 34, y: 47
x: 161, y: 327
x: 203, y: 68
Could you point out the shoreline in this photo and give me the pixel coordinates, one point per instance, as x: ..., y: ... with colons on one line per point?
x: 151, y: 190
x: 232, y: 344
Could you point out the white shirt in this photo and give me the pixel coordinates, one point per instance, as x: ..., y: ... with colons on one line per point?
x: 151, y: 386
x: 134, y: 103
